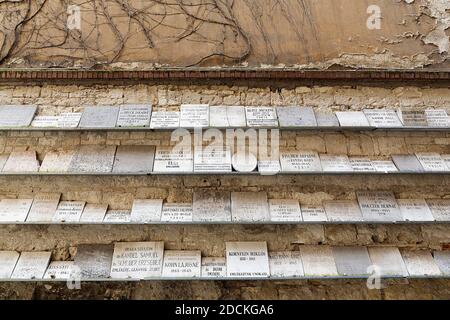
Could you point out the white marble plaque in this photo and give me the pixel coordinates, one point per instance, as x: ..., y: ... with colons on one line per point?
x: 352, y: 261
x: 211, y: 206
x: 431, y: 162
x: 165, y: 120
x: 134, y: 159
x: 415, y: 210
x: 378, y: 206
x: 352, y: 119
x: 45, y: 122
x: 22, y: 161
x: 442, y: 259
x: 296, y: 117
x: 326, y: 119
x: 440, y: 209
x: 60, y: 270
x: 300, y: 161
x: 44, y: 207
x: 437, y: 118
x: 413, y: 118
x: 146, y: 210
x: 212, y: 160
x: 342, y: 210
x: 285, y: 210
x: 117, y: 217
x: 247, y: 260
x: 269, y: 167
x: 134, y: 115
x: 385, y: 166
x: 318, y: 261
x: 177, y: 212
x: 3, y: 159
x: 14, y: 210
x: 227, y: 117
x: 182, y: 264
x: 249, y: 206
x: 94, y: 213
x: 99, y: 117
x: 31, y: 265
x: 445, y: 157
x: 69, y: 211
x: 286, y: 264
x: 214, y: 267
x: 137, y: 260
x: 407, y: 163
x: 94, y: 261
x: 313, y: 213
x: 57, y: 161
x: 420, y: 263
x: 244, y: 161
x: 261, y: 117
x: 69, y: 119
x: 362, y: 164
x: 382, y: 118
x: 93, y: 159
x: 8, y: 260
x: 335, y: 163
x: 16, y: 115
x: 194, y: 116
x: 388, y: 260
x: 168, y: 160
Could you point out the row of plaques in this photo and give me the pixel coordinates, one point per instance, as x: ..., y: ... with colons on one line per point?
x: 146, y: 260
x: 166, y: 160
x: 210, y: 206
x: 203, y: 116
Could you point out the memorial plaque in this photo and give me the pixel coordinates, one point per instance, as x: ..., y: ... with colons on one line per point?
x: 445, y: 157
x: 442, y: 259
x: 378, y: 206
x: 137, y: 260
x: 300, y: 161
x: 437, y: 118
x: 57, y: 161
x: 69, y: 119
x: 93, y: 159
x: 182, y: 264
x: 261, y: 117
x: 227, y: 117
x: 176, y: 212
x: 388, y: 260
x: 94, y: 260
x: 14, y: 210
x: 296, y: 117
x: 342, y: 211
x: 8, y: 260
x: 194, y: 116
x: 352, y: 119
x: 69, y: 211
x: 44, y: 207
x: 431, y: 162
x: 352, y: 261
x: 382, y: 118
x: 415, y: 210
x: 440, y: 209
x: 94, y: 213
x: 134, y: 115
x: 407, y: 163
x: 269, y: 167
x: 326, y: 119
x: 99, y: 117
x: 3, y: 159
x: 362, y: 164
x: 117, y: 217
x: 247, y: 260
x: 168, y: 160
x: 211, y: 206
x: 335, y: 163
x: 16, y: 115
x: 420, y: 263
x: 249, y: 206
x: 286, y: 264
x: 134, y: 159
x: 214, y: 268
x: 31, y: 265
x: 45, y: 122
x: 318, y: 261
x: 212, y: 160
x: 146, y: 211
x: 22, y: 161
x: 313, y: 213
x: 244, y: 162
x: 165, y: 120
x: 285, y: 210
x: 60, y: 270
x: 413, y: 118
x: 385, y: 166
